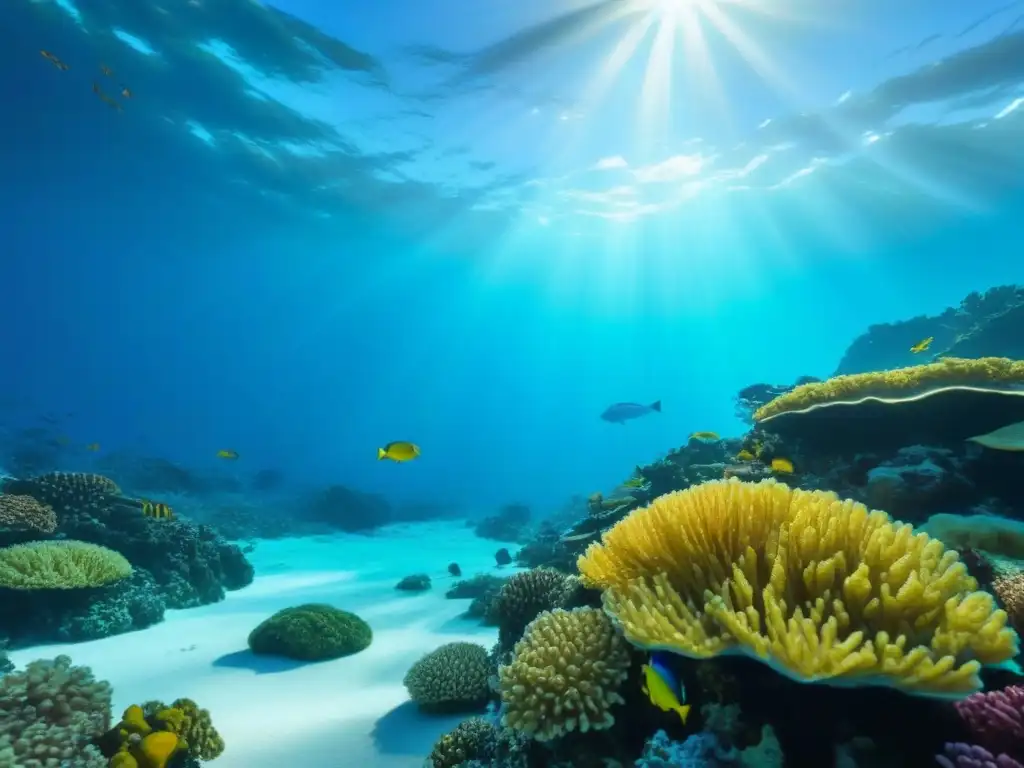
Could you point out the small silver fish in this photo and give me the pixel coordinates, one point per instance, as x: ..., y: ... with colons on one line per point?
x: 620, y: 413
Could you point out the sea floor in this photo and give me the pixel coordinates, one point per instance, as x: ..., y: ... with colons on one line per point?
x: 274, y: 713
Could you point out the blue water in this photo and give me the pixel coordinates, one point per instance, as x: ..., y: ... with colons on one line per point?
x: 481, y: 233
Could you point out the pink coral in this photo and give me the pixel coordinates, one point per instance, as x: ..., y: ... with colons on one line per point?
x: 969, y: 756
x: 996, y: 719
x: 25, y: 513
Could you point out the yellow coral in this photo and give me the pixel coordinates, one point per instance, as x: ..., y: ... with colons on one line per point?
x: 158, y: 747
x: 565, y: 674
x: 123, y: 760
x: 192, y: 725
x: 948, y: 372
x: 820, y: 588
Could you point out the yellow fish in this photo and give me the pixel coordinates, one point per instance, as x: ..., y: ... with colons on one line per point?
x: 398, y: 451
x: 744, y: 455
x: 634, y: 482
x: 705, y: 437
x: 785, y: 466
x: 92, y: 447
x: 663, y: 689
x: 157, y: 510
x: 922, y: 345
x: 230, y: 455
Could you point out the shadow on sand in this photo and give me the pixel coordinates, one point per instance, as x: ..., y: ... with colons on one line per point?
x: 261, y: 665
x: 407, y: 731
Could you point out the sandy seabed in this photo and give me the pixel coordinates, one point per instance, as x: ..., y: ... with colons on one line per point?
x: 273, y: 713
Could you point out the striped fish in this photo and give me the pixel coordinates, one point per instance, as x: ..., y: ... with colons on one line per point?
x: 157, y: 510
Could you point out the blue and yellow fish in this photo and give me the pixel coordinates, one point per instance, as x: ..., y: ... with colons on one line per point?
x: 664, y: 689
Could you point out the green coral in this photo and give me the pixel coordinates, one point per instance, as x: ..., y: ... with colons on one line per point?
x: 452, y: 677
x: 60, y: 565
x: 311, y: 632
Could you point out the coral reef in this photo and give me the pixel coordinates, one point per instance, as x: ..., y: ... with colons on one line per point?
x: 453, y: 677
x: 24, y: 513
x: 524, y: 596
x: 50, y: 713
x: 564, y: 674
x: 149, y: 735
x: 311, y: 632
x: 821, y: 589
x: 510, y: 524
x: 60, y: 565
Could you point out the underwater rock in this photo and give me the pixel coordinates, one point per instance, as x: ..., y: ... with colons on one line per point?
x: 984, y: 324
x: 502, y: 557
x: 544, y: 548
x: 510, y: 524
x: 417, y: 582
x: 481, y: 585
x: 348, y: 510
x: 917, y: 482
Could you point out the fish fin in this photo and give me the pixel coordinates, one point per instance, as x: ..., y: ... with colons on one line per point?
x: 684, y: 712
x: 656, y: 406
x: 381, y: 453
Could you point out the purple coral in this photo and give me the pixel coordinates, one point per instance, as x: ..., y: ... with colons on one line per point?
x: 996, y: 719
x: 969, y: 756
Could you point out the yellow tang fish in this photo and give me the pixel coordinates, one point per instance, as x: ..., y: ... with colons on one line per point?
x: 398, y: 451
x: 663, y: 689
x: 745, y: 455
x: 230, y: 455
x: 157, y: 510
x: 634, y: 482
x: 922, y: 345
x: 785, y: 466
x: 705, y: 437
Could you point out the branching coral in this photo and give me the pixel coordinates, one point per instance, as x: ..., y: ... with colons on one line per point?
x: 565, y: 674
x: 49, y: 713
x: 60, y: 565
x: 819, y: 588
x: 948, y: 372
x: 996, y: 720
x: 23, y: 513
x: 451, y: 677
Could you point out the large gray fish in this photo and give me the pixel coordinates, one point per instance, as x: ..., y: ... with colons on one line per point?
x: 620, y: 413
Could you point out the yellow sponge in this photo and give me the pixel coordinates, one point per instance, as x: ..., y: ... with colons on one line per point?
x: 819, y: 588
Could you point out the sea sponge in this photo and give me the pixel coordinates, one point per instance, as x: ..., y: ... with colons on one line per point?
x: 523, y: 597
x: 948, y: 372
x: 564, y: 675
x: 822, y: 589
x: 60, y: 565
x: 451, y: 677
x: 191, y: 724
x: 311, y: 632
x: 49, y: 713
x: 24, y: 513
x: 471, y: 739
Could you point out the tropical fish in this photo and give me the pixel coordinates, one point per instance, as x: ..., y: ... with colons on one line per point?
x: 157, y: 510
x: 104, y: 97
x: 705, y: 437
x: 745, y: 455
x: 106, y: 70
x: 620, y: 413
x: 1008, y: 438
x: 54, y: 60
x: 784, y: 466
x: 126, y: 92
x: 92, y: 447
x: 229, y: 455
x: 664, y: 689
x: 635, y: 482
x: 398, y: 451
x: 922, y: 345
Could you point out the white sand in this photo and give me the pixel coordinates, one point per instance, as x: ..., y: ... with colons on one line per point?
x: 274, y: 713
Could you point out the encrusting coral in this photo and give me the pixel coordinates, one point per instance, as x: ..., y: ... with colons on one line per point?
x: 450, y: 677
x: 60, y: 565
x: 23, y: 513
x: 564, y: 675
x: 947, y: 372
x: 49, y: 713
x: 822, y: 589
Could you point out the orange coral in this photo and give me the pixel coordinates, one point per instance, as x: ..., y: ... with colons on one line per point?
x: 25, y: 513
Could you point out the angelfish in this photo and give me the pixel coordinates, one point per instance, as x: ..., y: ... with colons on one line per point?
x: 663, y: 688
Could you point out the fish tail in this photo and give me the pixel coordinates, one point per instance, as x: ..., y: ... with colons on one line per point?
x: 684, y: 712
x: 381, y: 454
x: 656, y: 406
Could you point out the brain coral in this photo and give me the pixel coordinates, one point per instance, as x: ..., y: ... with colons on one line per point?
x: 822, y: 589
x: 311, y: 632
x: 60, y: 565
x: 564, y: 675
x: 450, y: 677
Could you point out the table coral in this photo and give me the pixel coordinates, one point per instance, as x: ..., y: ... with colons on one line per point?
x: 60, y: 565
x: 822, y: 589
